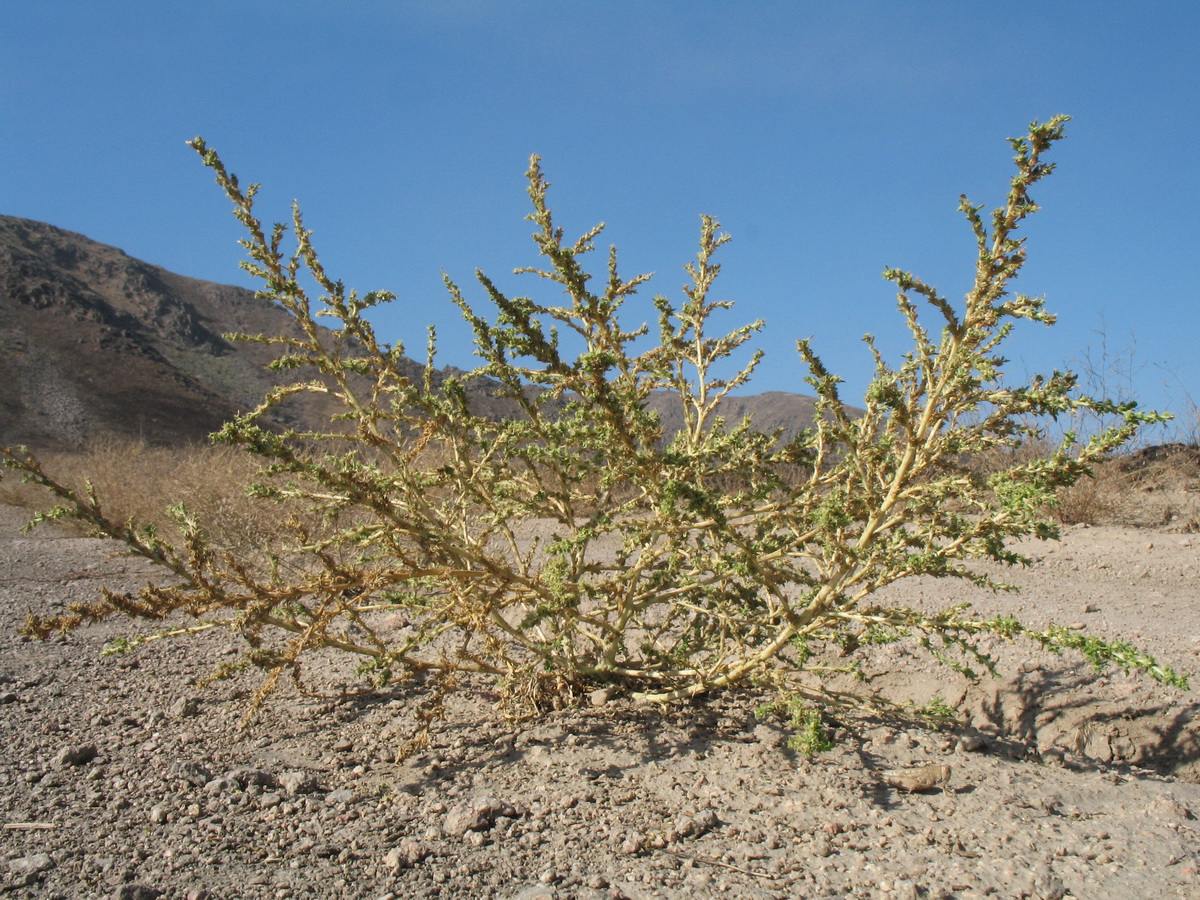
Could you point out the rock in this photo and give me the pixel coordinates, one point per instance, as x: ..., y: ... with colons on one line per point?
x: 220, y: 785
x: 297, y: 782
x: 136, y: 892
x: 920, y: 778
x: 534, y: 892
x: 971, y: 743
x: 195, y: 774
x: 158, y: 814
x: 247, y: 777
x: 76, y: 756
x: 602, y: 696
x: 772, y: 738
x: 342, y: 795
x: 821, y: 846
x: 31, y: 864
x: 405, y: 855
x: 475, y: 815
x: 1048, y: 886
x: 185, y: 708
x: 1165, y: 806
x: 695, y: 826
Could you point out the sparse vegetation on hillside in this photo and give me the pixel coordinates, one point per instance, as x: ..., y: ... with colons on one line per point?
x: 570, y: 546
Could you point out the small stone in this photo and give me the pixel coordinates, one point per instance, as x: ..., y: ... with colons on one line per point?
x: 31, y: 864
x: 269, y: 800
x: 1166, y: 806
x: 821, y: 846
x: 601, y: 697
x: 475, y: 815
x: 1053, y: 756
x: 195, y: 774
x: 694, y: 826
x: 76, y: 756
x: 220, y: 785
x: 405, y: 855
x: 342, y: 795
x: 297, y: 782
x: 474, y: 839
x: 971, y: 743
x: 1048, y: 886
x: 920, y: 778
x: 136, y: 892
x: 535, y: 892
x: 343, y: 746
x: 158, y: 814
x: 185, y: 708
x: 247, y: 777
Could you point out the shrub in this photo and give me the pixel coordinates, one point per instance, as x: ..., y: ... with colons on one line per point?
x: 572, y: 543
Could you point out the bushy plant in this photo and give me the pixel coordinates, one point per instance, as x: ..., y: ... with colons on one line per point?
x: 571, y: 543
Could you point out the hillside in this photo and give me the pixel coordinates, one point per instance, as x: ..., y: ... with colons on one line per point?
x: 95, y: 343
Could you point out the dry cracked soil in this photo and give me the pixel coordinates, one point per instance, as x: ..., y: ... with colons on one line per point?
x: 124, y: 776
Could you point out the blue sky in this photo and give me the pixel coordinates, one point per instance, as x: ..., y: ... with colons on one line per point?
x: 832, y: 140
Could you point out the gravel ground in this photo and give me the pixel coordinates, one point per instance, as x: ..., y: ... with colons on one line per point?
x: 126, y: 777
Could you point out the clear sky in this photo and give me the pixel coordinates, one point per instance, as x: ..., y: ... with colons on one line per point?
x: 831, y: 140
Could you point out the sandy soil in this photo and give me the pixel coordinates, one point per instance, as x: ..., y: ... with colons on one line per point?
x: 122, y: 776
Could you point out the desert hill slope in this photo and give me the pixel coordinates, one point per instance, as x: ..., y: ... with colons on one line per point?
x: 95, y: 343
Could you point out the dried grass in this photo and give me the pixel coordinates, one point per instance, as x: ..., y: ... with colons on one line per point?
x: 138, y: 481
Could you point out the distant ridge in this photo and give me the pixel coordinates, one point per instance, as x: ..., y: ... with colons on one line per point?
x: 97, y: 344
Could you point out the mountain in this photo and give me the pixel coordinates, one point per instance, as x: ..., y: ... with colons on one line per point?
x: 94, y: 343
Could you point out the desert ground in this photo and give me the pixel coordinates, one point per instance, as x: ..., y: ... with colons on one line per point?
x: 126, y: 776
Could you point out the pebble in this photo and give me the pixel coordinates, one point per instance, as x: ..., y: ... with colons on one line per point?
x: 185, y: 708
x: 77, y: 755
x: 475, y: 815
x: 247, y: 777
x: 601, y: 697
x: 297, y: 782
x: 31, y: 864
x: 220, y: 785
x: 405, y: 855
x: 136, y: 892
